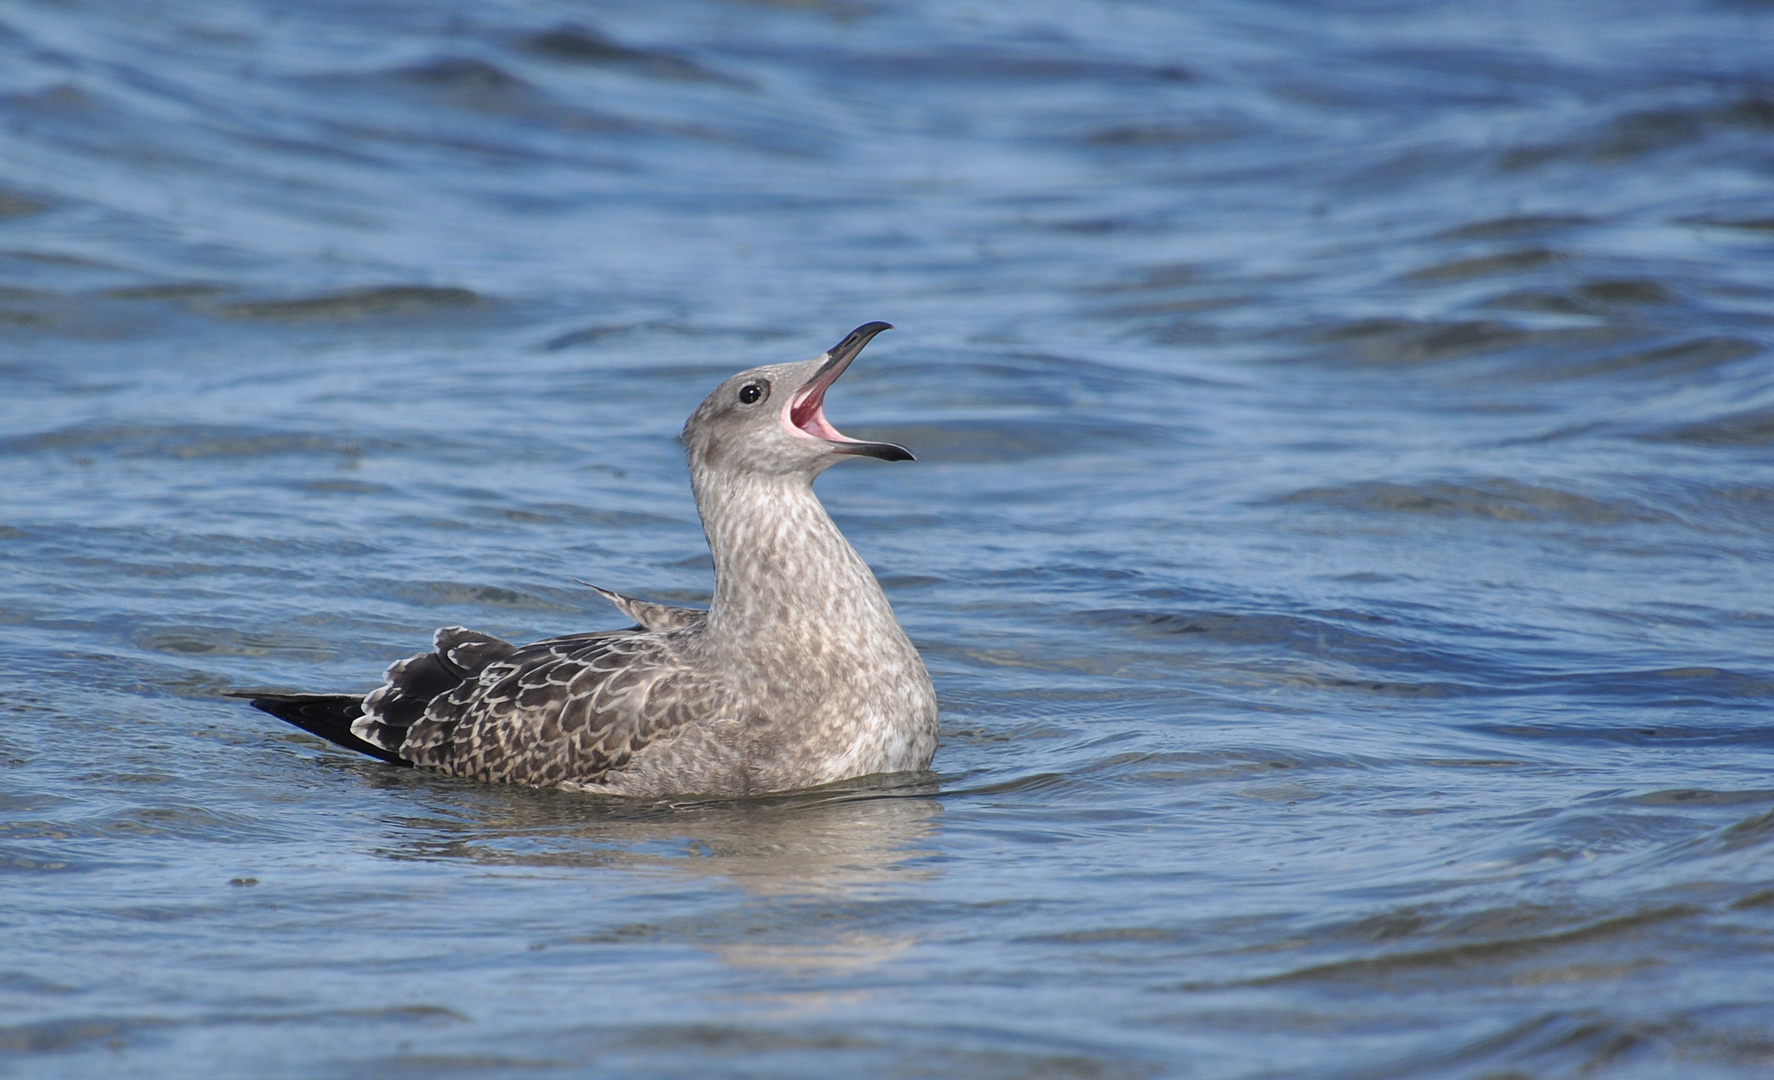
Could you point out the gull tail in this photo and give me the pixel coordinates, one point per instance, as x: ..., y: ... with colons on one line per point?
x: 326, y: 715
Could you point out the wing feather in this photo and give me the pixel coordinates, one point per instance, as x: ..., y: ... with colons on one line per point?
x: 649, y: 615
x: 564, y: 710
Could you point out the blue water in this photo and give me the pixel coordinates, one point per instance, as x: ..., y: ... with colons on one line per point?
x: 1341, y: 539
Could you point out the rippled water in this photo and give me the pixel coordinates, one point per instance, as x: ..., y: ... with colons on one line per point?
x: 1341, y: 542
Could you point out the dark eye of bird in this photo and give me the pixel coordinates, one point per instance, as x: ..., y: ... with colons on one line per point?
x: 752, y: 393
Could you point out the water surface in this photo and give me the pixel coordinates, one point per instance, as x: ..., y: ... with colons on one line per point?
x: 1341, y: 539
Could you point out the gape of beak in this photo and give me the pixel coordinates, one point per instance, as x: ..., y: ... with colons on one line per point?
x: 805, y: 411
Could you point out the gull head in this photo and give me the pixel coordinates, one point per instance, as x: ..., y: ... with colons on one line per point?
x: 770, y: 420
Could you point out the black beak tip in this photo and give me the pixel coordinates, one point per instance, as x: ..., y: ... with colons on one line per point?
x: 886, y: 451
x: 856, y: 339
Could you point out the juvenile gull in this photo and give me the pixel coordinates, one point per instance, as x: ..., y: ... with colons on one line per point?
x: 797, y: 674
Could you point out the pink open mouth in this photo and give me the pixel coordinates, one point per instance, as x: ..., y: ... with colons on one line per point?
x: 805, y: 412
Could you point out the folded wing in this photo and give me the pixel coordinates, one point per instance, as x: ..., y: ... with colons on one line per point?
x: 565, y: 710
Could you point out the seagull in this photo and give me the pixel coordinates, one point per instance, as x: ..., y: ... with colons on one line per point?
x: 798, y: 674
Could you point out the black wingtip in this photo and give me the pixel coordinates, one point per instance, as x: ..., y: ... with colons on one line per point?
x: 326, y: 715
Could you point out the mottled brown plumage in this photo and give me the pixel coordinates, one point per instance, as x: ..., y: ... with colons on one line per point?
x: 648, y: 615
x: 798, y: 674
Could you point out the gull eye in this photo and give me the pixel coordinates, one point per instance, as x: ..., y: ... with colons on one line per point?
x: 753, y: 392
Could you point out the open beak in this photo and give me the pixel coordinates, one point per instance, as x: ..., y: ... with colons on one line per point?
x: 806, y: 409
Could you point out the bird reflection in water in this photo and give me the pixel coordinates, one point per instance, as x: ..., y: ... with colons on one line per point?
x: 807, y: 866
x: 842, y: 839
